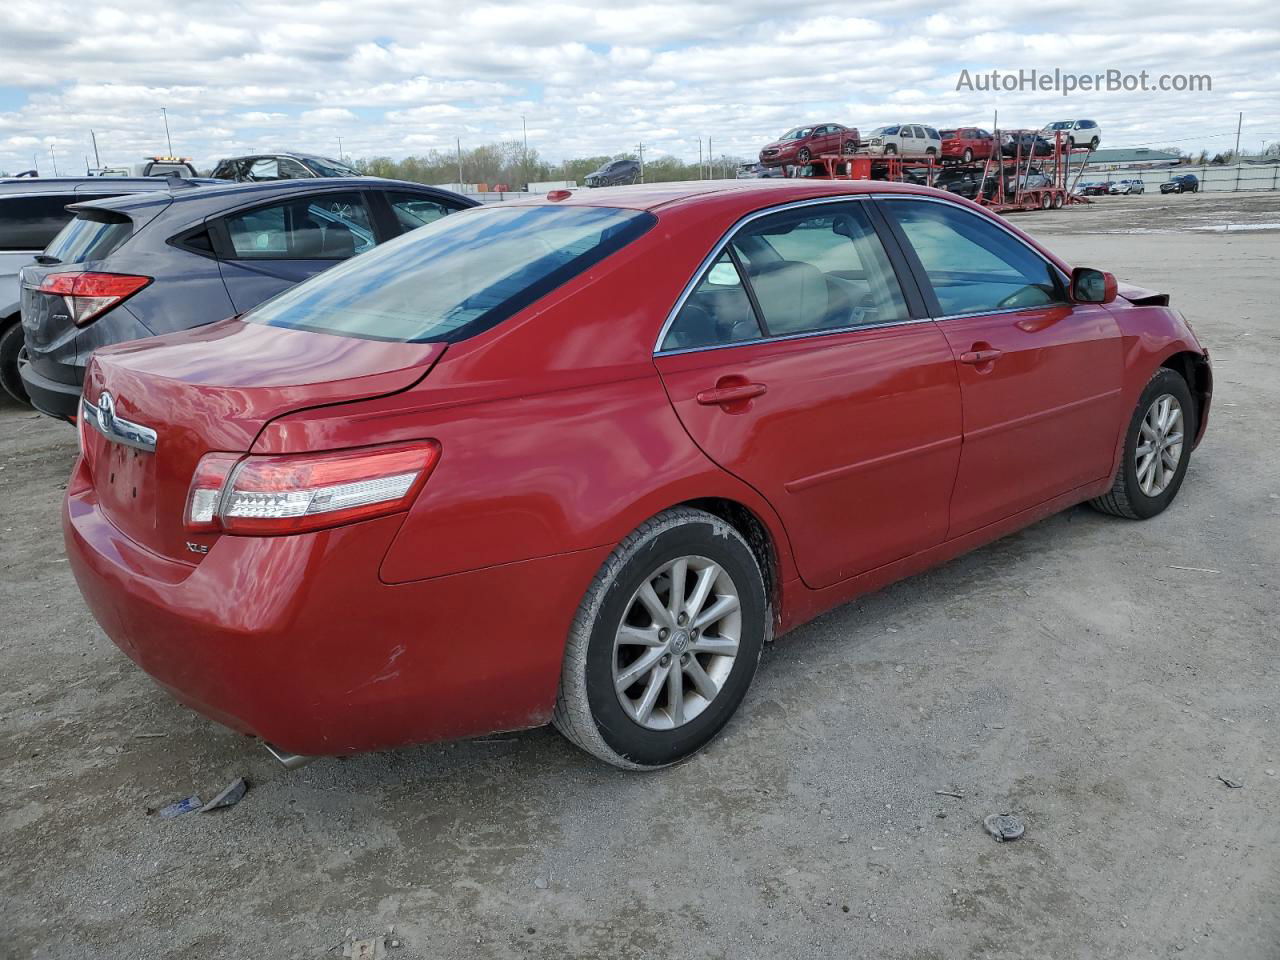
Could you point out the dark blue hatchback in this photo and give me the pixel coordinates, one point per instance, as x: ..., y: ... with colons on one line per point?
x: 137, y: 266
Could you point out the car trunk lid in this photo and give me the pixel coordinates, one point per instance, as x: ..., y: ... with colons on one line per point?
x: 208, y: 390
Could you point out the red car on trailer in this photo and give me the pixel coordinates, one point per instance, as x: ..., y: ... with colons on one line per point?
x: 576, y: 459
x: 966, y: 144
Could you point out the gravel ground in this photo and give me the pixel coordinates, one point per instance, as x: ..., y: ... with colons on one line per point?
x: 1094, y: 676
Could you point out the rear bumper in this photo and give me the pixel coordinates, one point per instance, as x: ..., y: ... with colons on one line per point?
x: 59, y: 397
x: 296, y: 640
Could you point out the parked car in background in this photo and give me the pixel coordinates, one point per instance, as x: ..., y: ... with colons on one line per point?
x: 1025, y: 143
x: 1075, y: 133
x: 131, y: 267
x: 164, y: 167
x: 615, y: 173
x: 910, y: 139
x: 967, y: 144
x: 963, y: 182
x: 1123, y: 187
x: 575, y: 461
x: 1182, y: 183
x: 32, y: 211
x: 801, y: 144
x: 259, y: 167
x: 1098, y: 188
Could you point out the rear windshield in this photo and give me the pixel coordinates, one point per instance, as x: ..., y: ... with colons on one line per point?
x: 456, y: 277
x: 91, y: 235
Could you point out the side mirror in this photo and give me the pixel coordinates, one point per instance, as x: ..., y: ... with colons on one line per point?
x: 1092, y: 286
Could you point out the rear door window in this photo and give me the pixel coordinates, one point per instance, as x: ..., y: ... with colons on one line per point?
x: 328, y: 226
x: 29, y: 223
x: 825, y: 269
x: 718, y: 312
x: 457, y: 276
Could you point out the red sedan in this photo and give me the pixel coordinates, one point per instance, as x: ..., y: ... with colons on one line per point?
x: 578, y: 459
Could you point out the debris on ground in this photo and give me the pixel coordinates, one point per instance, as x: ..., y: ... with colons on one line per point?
x: 1003, y: 826
x: 229, y: 796
x: 375, y: 948
x: 179, y: 807
x: 540, y: 883
x: 148, y: 736
x: 949, y: 793
x: 1233, y: 784
x: 1194, y: 569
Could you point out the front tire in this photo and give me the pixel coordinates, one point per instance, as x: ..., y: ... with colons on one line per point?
x: 968, y: 155
x: 665, y: 643
x: 804, y: 155
x: 1157, y: 449
x: 11, y: 344
x: 890, y: 149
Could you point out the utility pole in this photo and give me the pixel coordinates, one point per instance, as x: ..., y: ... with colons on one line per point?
x: 1236, y: 157
x: 165, y: 113
x: 711, y: 170
x: 340, y: 149
x: 524, y: 163
x: 54, y: 157
x: 640, y: 147
x: 701, y: 168
x: 94, y: 137
x: 459, y: 140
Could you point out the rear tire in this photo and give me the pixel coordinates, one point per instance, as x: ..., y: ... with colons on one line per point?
x: 629, y: 724
x: 11, y: 343
x: 1155, y: 459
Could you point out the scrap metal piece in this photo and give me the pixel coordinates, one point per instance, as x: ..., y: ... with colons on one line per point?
x: 229, y: 796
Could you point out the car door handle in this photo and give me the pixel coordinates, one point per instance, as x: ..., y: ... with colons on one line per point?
x: 735, y: 393
x: 978, y: 357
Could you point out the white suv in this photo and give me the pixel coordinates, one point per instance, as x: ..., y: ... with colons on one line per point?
x: 1075, y: 133
x: 912, y: 139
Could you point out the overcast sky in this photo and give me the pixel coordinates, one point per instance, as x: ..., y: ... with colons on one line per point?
x: 396, y: 77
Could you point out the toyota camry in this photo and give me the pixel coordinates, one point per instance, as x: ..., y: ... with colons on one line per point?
x: 576, y: 459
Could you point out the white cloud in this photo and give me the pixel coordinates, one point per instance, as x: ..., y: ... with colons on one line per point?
x: 398, y: 76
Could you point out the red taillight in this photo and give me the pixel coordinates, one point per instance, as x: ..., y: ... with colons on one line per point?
x: 267, y: 495
x: 90, y: 295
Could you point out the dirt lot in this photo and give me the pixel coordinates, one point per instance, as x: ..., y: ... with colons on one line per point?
x: 1093, y: 675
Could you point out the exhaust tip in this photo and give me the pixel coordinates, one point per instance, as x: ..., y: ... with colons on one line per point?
x: 290, y: 761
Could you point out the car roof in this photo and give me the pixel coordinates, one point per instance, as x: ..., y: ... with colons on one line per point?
x: 122, y: 185
x: 224, y: 194
x: 749, y: 194
x: 281, y: 153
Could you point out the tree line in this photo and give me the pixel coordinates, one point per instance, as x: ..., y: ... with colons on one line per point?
x: 509, y: 164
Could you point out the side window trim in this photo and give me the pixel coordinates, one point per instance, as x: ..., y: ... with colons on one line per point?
x: 921, y: 276
x: 918, y: 309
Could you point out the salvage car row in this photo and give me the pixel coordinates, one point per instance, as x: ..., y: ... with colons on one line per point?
x: 800, y: 145
x: 572, y: 459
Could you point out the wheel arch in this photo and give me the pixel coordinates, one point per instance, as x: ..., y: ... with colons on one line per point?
x: 1195, y: 370
x: 757, y: 534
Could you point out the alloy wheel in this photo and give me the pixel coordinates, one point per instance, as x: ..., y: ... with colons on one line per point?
x: 677, y: 642
x: 1159, y: 448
